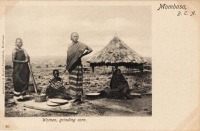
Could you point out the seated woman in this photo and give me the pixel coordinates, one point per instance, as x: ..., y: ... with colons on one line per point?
x: 56, y: 88
x: 119, y: 86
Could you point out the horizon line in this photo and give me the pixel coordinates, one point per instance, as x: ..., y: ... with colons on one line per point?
x: 57, y: 55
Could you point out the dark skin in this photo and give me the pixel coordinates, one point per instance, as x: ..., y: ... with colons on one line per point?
x: 19, y: 44
x: 56, y: 74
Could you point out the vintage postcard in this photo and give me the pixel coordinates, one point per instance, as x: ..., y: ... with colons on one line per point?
x: 100, y: 65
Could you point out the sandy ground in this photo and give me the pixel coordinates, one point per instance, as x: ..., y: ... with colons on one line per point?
x: 97, y: 107
x: 93, y: 82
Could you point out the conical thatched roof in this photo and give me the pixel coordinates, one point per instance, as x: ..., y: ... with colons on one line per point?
x: 116, y: 53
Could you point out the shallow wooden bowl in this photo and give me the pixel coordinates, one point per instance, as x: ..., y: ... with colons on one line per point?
x: 92, y: 95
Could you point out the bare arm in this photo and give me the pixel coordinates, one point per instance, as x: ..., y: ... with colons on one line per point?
x: 27, y: 56
x: 88, y: 50
x: 17, y: 61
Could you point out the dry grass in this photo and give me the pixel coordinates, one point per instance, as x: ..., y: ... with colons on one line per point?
x: 116, y: 52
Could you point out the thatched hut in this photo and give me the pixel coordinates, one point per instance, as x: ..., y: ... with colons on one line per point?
x: 117, y: 53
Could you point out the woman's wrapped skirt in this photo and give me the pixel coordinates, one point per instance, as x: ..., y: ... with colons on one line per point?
x: 76, y: 82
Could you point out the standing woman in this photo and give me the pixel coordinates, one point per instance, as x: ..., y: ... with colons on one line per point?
x: 21, y: 70
x: 74, y: 66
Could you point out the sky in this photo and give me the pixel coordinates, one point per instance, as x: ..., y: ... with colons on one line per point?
x: 46, y: 30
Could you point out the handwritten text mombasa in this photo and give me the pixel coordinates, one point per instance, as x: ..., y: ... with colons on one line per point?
x: 173, y: 6
x: 181, y: 9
